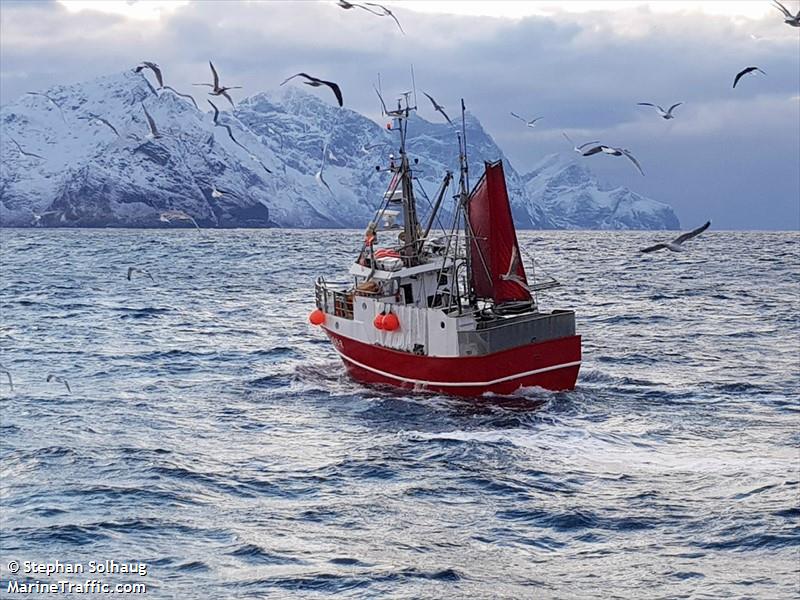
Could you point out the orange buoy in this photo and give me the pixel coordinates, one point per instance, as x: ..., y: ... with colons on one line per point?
x: 378, y: 322
x: 317, y: 317
x: 391, y: 322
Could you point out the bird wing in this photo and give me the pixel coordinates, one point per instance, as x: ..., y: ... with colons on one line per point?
x: 383, y: 104
x: 569, y: 139
x: 646, y: 104
x: 654, y: 248
x: 114, y: 129
x: 235, y: 141
x: 263, y: 166
x: 400, y: 27
x: 632, y: 158
x: 386, y: 13
x: 216, y: 111
x: 782, y: 8
x: 744, y: 72
x: 431, y: 99
x: 154, y: 68
x: 214, y: 72
x: 66, y: 383
x: 130, y: 270
x: 150, y: 122
x: 176, y: 92
x: 694, y: 233
x: 53, y: 102
x: 323, y: 182
x: 324, y: 157
x: 516, y: 116
x: 23, y: 152
x: 224, y: 93
x: 336, y: 91
x: 582, y: 146
x: 299, y: 75
x: 673, y: 107
x: 438, y: 107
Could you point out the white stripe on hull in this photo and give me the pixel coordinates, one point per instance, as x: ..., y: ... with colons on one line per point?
x: 457, y: 383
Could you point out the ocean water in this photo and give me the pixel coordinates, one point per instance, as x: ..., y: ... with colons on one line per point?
x: 212, y: 434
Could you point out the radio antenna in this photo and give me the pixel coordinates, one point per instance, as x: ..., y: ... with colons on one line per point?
x: 413, y: 85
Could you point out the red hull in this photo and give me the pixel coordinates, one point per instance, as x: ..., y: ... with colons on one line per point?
x: 551, y: 365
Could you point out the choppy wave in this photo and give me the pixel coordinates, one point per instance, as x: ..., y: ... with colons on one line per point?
x: 212, y: 434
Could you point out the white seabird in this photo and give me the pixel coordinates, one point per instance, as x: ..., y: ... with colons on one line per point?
x: 664, y: 114
x: 529, y: 123
x: 676, y: 245
x: 132, y: 270
x: 59, y: 379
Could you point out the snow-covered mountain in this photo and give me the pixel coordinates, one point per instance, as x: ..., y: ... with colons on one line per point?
x: 572, y: 197
x: 85, y: 174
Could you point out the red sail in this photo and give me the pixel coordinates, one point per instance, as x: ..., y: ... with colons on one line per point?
x: 497, y: 269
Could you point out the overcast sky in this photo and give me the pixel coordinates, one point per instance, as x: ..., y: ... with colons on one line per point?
x: 730, y: 155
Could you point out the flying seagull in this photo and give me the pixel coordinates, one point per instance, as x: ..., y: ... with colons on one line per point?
x: 664, y: 114
x: 98, y: 119
x: 8, y: 374
x: 53, y: 102
x: 676, y: 245
x: 177, y: 93
x: 314, y: 82
x: 744, y: 72
x: 385, y: 12
x: 230, y: 134
x: 21, y: 151
x: 146, y: 64
x: 438, y: 107
x: 793, y: 20
x: 366, y: 148
x: 386, y: 111
x: 59, y: 379
x: 218, y: 90
x: 530, y: 123
x: 580, y: 149
x: 132, y: 270
x: 176, y: 215
x: 318, y: 176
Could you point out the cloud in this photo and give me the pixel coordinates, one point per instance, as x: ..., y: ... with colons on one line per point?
x: 584, y: 71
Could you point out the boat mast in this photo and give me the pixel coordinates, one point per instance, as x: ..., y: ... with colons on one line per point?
x: 463, y: 201
x: 411, y: 229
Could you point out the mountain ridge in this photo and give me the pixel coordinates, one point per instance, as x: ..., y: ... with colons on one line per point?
x: 89, y: 176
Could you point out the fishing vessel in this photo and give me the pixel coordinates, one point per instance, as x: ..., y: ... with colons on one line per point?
x: 449, y: 310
